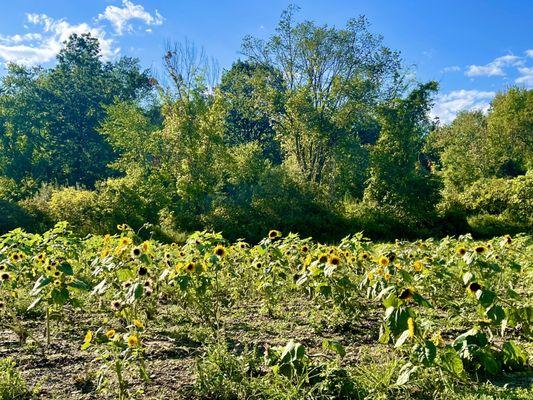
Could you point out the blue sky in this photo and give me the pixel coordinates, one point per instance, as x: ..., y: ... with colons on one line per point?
x: 474, y: 48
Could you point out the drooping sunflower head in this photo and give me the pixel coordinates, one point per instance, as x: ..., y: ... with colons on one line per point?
x: 407, y: 294
x: 323, y: 258
x: 219, y: 251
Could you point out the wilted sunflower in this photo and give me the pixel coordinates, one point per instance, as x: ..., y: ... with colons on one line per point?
x: 334, y: 260
x: 406, y: 294
x: 322, y: 258
x: 273, y: 234
x: 480, y: 249
x: 219, y: 251
x: 384, y: 261
x: 133, y: 341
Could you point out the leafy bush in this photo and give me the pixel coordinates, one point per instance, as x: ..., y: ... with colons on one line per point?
x: 12, y: 385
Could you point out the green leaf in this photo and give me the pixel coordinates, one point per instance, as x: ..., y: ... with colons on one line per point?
x: 39, y: 284
x: 66, y: 268
x: 79, y: 284
x: 427, y: 353
x: 467, y: 277
x: 496, y: 314
x: 35, y: 303
x: 405, y: 374
x: 514, y: 356
x: 451, y: 362
x: 485, y: 297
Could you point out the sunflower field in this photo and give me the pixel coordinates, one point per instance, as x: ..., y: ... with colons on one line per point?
x: 105, y: 317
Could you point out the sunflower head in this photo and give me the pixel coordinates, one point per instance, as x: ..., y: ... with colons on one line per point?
x: 322, y: 258
x: 219, y: 251
x: 125, y: 241
x: 190, y: 267
x: 334, y: 260
x: 461, y: 251
x: 383, y: 261
x: 110, y: 333
x: 133, y: 341
x: 136, y: 252
x: 5, y: 276
x: 418, y: 266
x: 387, y: 276
x: 304, y: 248
x: 406, y: 294
x: 474, y: 287
x: 142, y: 271
x: 116, y: 305
x: 508, y: 239
x: 138, y: 324
x: 480, y: 249
x: 364, y: 256
x: 274, y: 234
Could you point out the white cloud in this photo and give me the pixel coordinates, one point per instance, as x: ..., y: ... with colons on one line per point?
x: 453, y: 68
x: 448, y: 105
x: 529, y: 53
x: 41, y: 47
x: 495, y: 67
x: 526, y: 77
x: 119, y: 17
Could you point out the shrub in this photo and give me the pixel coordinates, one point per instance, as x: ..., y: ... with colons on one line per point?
x: 12, y: 385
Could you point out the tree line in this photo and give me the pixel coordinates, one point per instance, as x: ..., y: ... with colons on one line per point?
x: 318, y: 130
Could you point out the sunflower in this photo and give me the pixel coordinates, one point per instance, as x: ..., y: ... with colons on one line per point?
x: 384, y: 261
x: 104, y: 253
x: 461, y: 251
x: 474, y: 287
x: 138, y: 324
x: 334, y: 260
x: 125, y: 241
x: 418, y: 266
x: 88, y: 337
x: 2, y: 267
x: 190, y: 267
x: 2, y: 305
x: 387, y: 276
x: 136, y: 252
x: 304, y: 249
x: 142, y: 271
x: 145, y: 246
x: 110, y: 333
x: 370, y: 276
x: 406, y: 294
x: 126, y: 284
x: 149, y: 283
x: 508, y: 239
x: 258, y: 264
x: 411, y: 326
x: 57, y: 283
x: 40, y: 257
x: 116, y: 305
x: 480, y: 249
x: 273, y: 234
x: 148, y: 291
x: 15, y: 257
x: 5, y: 276
x: 364, y: 256
x: 219, y: 251
x: 322, y: 258
x: 133, y: 341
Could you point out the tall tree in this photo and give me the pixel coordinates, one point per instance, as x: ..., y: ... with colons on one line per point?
x: 49, y: 118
